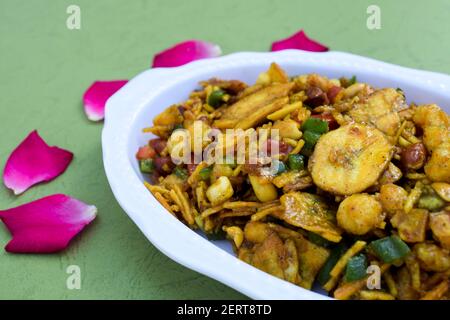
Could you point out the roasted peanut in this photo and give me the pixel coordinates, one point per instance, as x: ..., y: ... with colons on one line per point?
x: 414, y: 156
x: 316, y: 97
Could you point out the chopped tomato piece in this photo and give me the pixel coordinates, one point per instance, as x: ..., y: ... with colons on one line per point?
x: 145, y: 152
x: 333, y: 92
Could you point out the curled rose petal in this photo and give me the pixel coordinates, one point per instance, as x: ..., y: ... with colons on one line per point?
x: 300, y: 41
x: 46, y: 225
x: 185, y: 52
x: 95, y: 97
x: 33, y: 161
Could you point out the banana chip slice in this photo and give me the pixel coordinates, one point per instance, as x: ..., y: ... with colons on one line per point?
x: 350, y: 159
x: 252, y: 109
x: 380, y: 110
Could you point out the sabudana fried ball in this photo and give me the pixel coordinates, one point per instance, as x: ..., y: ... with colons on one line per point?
x: 359, y: 213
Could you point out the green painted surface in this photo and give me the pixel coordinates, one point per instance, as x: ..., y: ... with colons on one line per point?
x: 45, y: 69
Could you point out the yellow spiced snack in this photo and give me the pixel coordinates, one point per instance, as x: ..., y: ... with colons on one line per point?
x: 317, y: 181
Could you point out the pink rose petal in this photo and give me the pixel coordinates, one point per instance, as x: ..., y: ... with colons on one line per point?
x: 300, y: 41
x: 46, y: 225
x: 185, y: 52
x: 95, y: 97
x: 33, y: 161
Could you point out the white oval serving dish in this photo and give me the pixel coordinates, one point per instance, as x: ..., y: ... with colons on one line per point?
x: 134, y: 106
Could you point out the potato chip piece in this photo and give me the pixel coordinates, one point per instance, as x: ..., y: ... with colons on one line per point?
x: 170, y: 116
x: 256, y: 232
x: 273, y: 75
x: 269, y: 255
x: 312, y: 257
x: 245, y: 254
x: 235, y: 233
x: 440, y: 226
x: 292, y: 262
x: 412, y: 225
x: 309, y: 212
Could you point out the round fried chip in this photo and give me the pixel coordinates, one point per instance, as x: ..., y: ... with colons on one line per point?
x: 350, y: 159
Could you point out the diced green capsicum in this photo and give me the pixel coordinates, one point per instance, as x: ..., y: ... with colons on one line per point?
x: 146, y: 165
x: 205, y: 173
x: 347, y: 82
x: 311, y: 139
x: 296, y: 162
x: 356, y: 268
x: 390, y: 249
x: 215, y: 98
x: 181, y: 173
x: 352, y: 80
x: 315, y: 125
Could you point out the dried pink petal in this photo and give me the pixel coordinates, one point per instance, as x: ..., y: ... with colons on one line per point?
x: 185, y: 52
x: 95, y: 97
x: 46, y: 225
x: 300, y: 41
x: 33, y: 161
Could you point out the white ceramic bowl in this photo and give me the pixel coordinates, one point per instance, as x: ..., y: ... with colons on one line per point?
x: 134, y: 106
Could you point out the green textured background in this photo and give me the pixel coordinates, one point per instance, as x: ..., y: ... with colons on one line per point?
x: 45, y: 68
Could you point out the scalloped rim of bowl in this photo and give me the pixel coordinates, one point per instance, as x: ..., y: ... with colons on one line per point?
x: 187, y: 247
